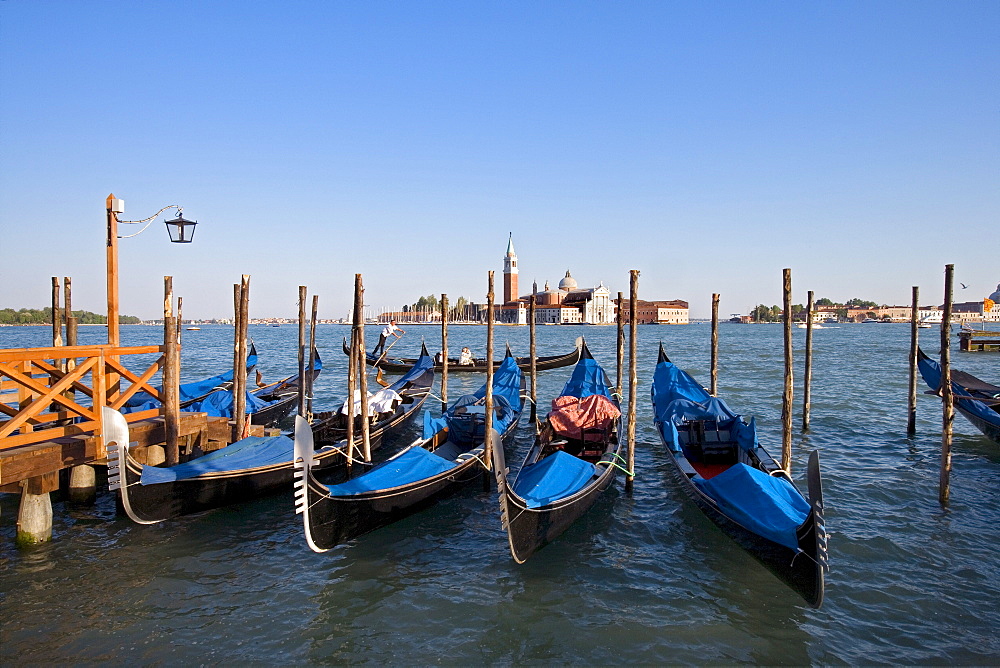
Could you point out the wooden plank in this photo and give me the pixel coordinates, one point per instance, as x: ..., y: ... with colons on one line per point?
x: 64, y: 352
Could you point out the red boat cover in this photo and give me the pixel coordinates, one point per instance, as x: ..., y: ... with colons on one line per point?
x: 591, y: 415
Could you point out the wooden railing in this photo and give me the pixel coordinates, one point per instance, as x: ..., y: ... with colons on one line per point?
x: 49, y: 393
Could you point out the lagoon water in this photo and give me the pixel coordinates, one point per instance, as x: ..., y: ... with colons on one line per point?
x: 641, y: 579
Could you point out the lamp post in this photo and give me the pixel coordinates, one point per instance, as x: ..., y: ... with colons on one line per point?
x: 181, y: 231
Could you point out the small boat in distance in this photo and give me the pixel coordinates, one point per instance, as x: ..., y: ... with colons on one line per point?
x: 401, y: 364
x: 193, y: 329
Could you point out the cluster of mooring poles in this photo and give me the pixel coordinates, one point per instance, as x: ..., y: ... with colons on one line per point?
x: 945, y: 390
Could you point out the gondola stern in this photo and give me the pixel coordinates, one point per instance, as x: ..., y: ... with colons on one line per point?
x: 813, y: 537
x: 662, y: 356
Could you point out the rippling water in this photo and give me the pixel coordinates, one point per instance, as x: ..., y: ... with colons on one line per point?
x: 641, y: 579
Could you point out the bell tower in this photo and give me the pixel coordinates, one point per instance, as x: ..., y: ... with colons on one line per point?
x: 510, y: 272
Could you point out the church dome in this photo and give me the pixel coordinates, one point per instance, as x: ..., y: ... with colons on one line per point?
x: 568, y: 283
x: 996, y: 295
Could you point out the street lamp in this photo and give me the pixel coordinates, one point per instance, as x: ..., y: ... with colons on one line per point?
x: 181, y: 231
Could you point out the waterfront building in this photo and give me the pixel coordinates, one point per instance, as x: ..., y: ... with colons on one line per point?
x: 674, y: 312
x: 568, y: 304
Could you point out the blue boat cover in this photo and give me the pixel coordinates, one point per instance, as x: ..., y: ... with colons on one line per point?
x: 588, y: 378
x: 411, y: 466
x: 506, y: 392
x: 189, y: 391
x: 251, y: 452
x: 766, y: 505
x: 555, y: 477
x: 220, y: 404
x: 678, y: 397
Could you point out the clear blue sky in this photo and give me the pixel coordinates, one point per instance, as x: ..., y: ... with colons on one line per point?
x: 708, y: 144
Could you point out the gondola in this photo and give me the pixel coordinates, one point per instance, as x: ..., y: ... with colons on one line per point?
x: 447, y: 456
x: 976, y: 399
x: 738, y: 485
x: 400, y: 364
x: 574, y: 458
x: 189, y: 393
x: 267, y: 405
x: 245, y: 470
x: 406, y: 395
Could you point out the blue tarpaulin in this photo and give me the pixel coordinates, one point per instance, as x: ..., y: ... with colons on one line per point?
x: 220, y: 404
x: 251, y: 452
x: 413, y: 465
x: 767, y: 505
x: 677, y: 397
x: 506, y: 393
x: 555, y: 477
x: 189, y: 391
x: 588, y: 378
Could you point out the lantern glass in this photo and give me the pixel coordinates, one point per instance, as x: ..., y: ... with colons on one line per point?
x: 181, y: 231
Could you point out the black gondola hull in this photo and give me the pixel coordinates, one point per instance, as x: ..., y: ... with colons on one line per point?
x: 531, y: 529
x: 337, y: 519
x: 166, y: 500
x: 400, y: 365
x: 802, y: 571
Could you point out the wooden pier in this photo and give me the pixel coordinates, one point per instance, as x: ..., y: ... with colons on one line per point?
x: 51, y: 400
x: 983, y: 340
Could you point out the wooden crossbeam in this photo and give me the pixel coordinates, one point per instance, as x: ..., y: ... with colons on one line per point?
x: 46, y: 395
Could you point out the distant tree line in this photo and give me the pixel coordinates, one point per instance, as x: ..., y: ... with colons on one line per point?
x: 431, y: 302
x: 43, y: 316
x: 762, y: 313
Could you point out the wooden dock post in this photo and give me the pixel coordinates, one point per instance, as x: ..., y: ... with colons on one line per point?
x: 620, y: 356
x: 633, y: 381
x: 947, y: 395
x: 310, y: 377
x: 714, y: 389
x: 911, y: 413
x: 171, y: 377
x: 240, y: 377
x: 444, y: 352
x: 352, y: 371
x: 301, y: 394
x: 57, y: 339
x: 786, y: 402
x: 534, y: 358
x: 359, y: 296
x: 487, y: 452
x: 34, y: 516
x: 71, y: 322
x: 807, y: 374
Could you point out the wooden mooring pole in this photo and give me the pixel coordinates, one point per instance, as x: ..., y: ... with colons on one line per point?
x: 240, y: 377
x: 301, y: 405
x: 171, y: 377
x: 620, y: 354
x: 352, y: 373
x: 310, y: 376
x: 911, y: 413
x: 714, y: 389
x: 786, y: 402
x: 947, y: 395
x: 487, y: 452
x: 633, y: 381
x: 532, y: 341
x: 807, y: 374
x: 359, y: 297
x: 444, y: 352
